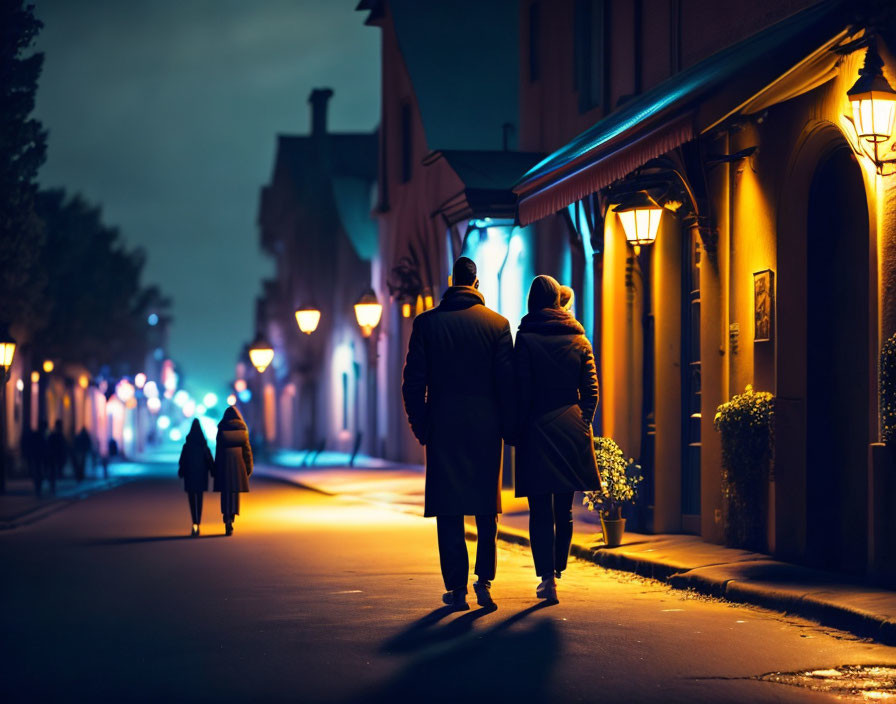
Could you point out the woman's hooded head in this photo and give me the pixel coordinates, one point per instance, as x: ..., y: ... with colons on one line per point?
x: 230, y: 415
x: 195, y: 434
x: 544, y: 293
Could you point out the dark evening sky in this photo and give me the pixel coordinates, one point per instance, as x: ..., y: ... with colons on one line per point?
x: 166, y: 112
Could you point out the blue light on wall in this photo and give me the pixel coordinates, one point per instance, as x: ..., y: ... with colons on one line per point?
x: 583, y: 227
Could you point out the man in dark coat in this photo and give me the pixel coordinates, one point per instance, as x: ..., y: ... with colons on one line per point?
x: 556, y: 386
x: 233, y: 464
x: 458, y: 395
x: 194, y: 467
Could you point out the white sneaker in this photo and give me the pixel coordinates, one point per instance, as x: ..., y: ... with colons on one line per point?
x: 547, y: 590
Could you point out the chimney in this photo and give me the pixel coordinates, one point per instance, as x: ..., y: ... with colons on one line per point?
x: 319, y: 98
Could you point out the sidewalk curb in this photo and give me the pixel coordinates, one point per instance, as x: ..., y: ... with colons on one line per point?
x: 41, y: 511
x: 826, y: 602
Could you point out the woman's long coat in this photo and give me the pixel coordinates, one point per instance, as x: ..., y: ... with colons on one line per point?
x: 196, y: 463
x: 233, y: 454
x: 556, y: 386
x: 458, y: 395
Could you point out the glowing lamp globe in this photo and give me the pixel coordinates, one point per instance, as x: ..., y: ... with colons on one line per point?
x: 48, y: 365
x: 261, y: 354
x: 873, y: 101
x: 640, y: 217
x: 7, y: 351
x: 140, y: 380
x: 308, y: 319
x: 368, y: 311
x: 35, y: 377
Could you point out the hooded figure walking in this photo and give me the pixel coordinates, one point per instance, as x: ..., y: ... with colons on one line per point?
x: 233, y: 464
x: 195, y: 465
x: 458, y: 395
x: 557, y: 395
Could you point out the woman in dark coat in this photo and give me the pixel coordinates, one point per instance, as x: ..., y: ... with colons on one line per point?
x: 557, y: 395
x: 195, y: 465
x: 233, y: 464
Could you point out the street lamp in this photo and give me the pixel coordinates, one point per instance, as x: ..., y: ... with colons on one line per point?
x: 368, y: 311
x: 640, y: 217
x: 7, y: 353
x: 261, y: 354
x: 873, y: 103
x: 49, y: 366
x: 308, y: 318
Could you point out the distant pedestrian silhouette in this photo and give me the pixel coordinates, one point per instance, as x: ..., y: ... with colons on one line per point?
x: 556, y: 386
x: 233, y: 464
x: 57, y: 454
x: 458, y: 388
x: 195, y: 466
x: 34, y: 451
x: 81, y: 448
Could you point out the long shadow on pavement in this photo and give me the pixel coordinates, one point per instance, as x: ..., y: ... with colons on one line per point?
x: 150, y: 539
x: 517, y: 663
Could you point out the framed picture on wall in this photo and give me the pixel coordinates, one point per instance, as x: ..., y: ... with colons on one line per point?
x: 763, y: 305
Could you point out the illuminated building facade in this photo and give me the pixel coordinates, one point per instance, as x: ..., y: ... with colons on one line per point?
x: 772, y: 264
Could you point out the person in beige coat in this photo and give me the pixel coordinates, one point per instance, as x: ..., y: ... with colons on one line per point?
x: 233, y: 464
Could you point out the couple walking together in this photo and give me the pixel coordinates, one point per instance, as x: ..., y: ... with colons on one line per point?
x: 231, y: 467
x: 467, y: 389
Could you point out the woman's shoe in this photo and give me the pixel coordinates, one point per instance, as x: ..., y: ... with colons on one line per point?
x: 195, y: 530
x: 228, y: 528
x: 547, y: 590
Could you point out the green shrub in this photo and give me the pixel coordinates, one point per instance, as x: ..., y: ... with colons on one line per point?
x: 888, y: 390
x: 747, y: 430
x: 620, y: 479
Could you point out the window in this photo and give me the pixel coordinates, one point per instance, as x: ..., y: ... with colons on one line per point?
x: 407, y: 147
x: 534, y: 53
x: 588, y: 52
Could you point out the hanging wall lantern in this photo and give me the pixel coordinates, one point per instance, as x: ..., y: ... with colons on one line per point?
x: 368, y: 311
x: 873, y: 100
x: 640, y: 217
x: 7, y: 352
x: 308, y: 318
x: 261, y: 354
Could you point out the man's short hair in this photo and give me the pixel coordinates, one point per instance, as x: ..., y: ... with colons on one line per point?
x: 464, y: 272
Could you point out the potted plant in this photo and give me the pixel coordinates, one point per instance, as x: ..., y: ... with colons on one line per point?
x: 620, y: 478
x: 747, y: 429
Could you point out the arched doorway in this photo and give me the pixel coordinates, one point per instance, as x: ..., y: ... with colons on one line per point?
x: 837, y: 354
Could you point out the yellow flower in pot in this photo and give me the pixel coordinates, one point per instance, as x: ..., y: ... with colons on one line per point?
x: 620, y: 479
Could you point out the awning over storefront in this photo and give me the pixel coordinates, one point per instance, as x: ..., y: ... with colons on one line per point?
x: 487, y: 177
x: 779, y: 63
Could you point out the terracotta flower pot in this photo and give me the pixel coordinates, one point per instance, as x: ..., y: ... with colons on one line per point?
x: 613, y: 529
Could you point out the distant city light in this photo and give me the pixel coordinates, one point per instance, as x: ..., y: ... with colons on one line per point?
x: 245, y: 395
x: 153, y: 319
x: 158, y: 354
x: 20, y: 385
x: 127, y: 434
x: 239, y: 385
x: 154, y: 404
x: 181, y: 397
x: 189, y: 408
x: 231, y: 399
x: 175, y: 435
x: 49, y: 366
x: 83, y: 381
x: 151, y: 389
x: 140, y: 380
x: 35, y: 377
x: 200, y: 409
x: 124, y: 390
x: 210, y: 400
x: 164, y: 422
